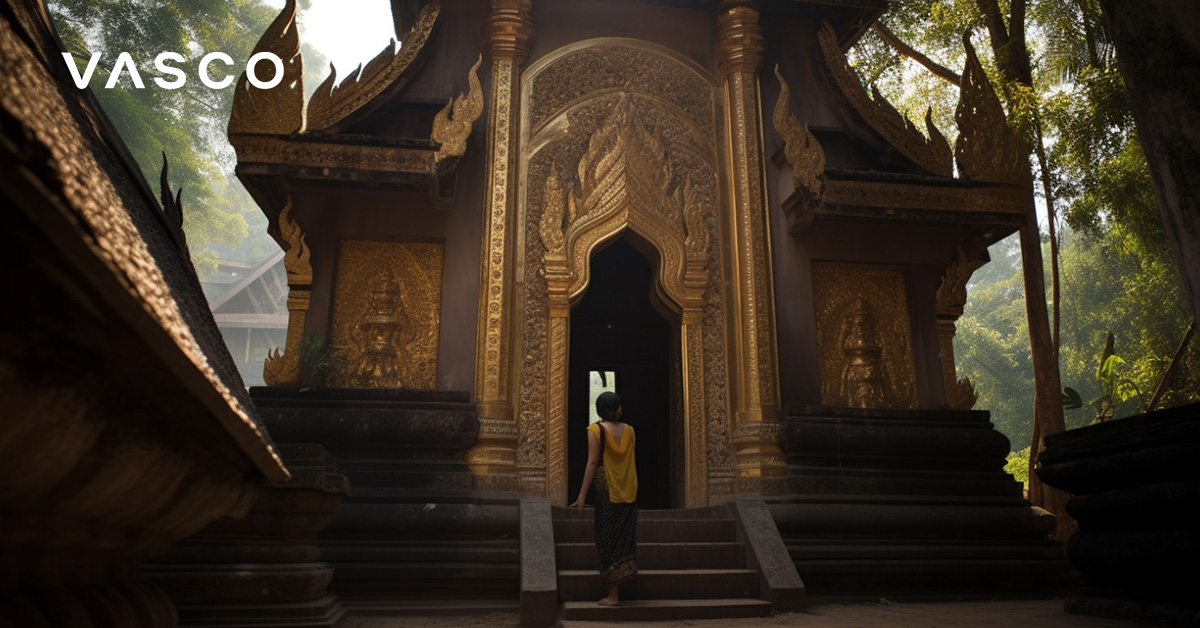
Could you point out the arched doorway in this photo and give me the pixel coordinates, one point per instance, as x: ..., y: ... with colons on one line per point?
x: 623, y: 158
x: 619, y: 339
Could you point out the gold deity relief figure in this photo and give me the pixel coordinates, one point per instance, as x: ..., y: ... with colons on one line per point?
x: 862, y: 376
x: 386, y: 314
x: 863, y: 338
x: 381, y: 338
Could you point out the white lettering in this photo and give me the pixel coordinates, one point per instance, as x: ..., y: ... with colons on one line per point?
x: 206, y: 61
x: 124, y: 61
x: 81, y: 81
x: 275, y: 60
x: 160, y: 62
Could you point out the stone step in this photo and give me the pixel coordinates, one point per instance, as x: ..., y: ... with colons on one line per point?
x: 663, y: 610
x: 659, y: 555
x: 433, y: 552
x: 664, y: 584
x: 655, y: 531
x: 919, y: 550
x: 429, y: 608
x: 648, y: 514
x: 864, y: 567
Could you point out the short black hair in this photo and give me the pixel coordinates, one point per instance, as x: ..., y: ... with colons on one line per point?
x: 607, y: 405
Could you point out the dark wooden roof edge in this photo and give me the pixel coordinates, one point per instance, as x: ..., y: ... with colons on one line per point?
x: 77, y: 239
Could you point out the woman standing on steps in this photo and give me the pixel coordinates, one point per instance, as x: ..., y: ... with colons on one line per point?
x: 611, y: 463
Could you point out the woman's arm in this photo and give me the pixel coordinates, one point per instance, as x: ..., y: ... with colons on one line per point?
x: 590, y: 471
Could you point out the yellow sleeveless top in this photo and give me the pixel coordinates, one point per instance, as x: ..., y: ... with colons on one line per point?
x: 619, y: 467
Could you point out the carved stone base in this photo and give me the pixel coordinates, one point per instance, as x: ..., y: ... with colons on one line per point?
x: 324, y: 612
x: 415, y: 526
x: 262, y: 569
x: 1134, y: 484
x: 910, y: 503
x: 758, y: 457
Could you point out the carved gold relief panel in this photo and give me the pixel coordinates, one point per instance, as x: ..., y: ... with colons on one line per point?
x: 864, y: 340
x: 387, y: 314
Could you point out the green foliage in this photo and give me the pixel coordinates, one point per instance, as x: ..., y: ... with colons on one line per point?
x: 188, y: 123
x: 1018, y: 466
x: 317, y: 361
x: 1115, y: 387
x: 1109, y: 284
x: 1117, y: 273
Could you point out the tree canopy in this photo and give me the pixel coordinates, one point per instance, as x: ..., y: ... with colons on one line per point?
x: 1117, y: 274
x: 188, y: 123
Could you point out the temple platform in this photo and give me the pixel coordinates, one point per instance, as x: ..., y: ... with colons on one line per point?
x: 994, y: 614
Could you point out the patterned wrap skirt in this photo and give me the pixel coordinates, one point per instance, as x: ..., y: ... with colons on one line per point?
x: 616, y: 535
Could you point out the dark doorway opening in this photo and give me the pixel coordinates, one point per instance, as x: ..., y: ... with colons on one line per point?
x: 618, y: 337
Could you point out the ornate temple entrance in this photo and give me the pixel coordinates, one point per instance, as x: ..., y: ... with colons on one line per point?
x: 620, y: 340
x: 622, y: 159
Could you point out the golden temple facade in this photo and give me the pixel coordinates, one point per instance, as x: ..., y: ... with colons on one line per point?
x: 769, y: 235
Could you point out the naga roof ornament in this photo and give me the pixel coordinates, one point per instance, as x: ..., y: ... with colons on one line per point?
x: 381, y: 77
x: 452, y: 125
x: 931, y: 154
x: 801, y: 148
x: 279, y: 110
x: 986, y: 149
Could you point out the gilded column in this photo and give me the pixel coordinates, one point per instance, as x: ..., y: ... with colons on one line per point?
x: 756, y: 396
x: 493, y: 458
x: 284, y: 369
x: 951, y: 298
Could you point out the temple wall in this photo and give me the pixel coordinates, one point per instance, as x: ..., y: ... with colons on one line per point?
x: 689, y: 32
x: 919, y: 253
x: 337, y: 214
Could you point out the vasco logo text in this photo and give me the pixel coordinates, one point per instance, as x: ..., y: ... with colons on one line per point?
x: 125, y: 64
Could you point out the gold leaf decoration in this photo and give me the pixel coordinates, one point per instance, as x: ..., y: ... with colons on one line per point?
x: 551, y: 227
x: 693, y: 218
x: 932, y: 154
x: 803, y: 151
x: 952, y: 292
x: 331, y: 104
x: 296, y: 258
x: 279, y: 110
x: 452, y: 125
x: 387, y: 314
x: 282, y: 368
x: 623, y: 159
x: 864, y: 342
x: 986, y: 149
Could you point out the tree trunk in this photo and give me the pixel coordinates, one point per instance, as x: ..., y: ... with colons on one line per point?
x: 1012, y: 59
x: 1158, y: 51
x: 1047, y: 398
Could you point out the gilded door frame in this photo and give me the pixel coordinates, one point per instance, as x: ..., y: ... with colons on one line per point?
x: 682, y: 244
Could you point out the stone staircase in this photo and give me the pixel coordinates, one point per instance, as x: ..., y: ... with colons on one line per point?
x: 692, y: 565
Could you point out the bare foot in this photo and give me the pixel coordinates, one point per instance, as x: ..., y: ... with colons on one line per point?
x: 608, y: 602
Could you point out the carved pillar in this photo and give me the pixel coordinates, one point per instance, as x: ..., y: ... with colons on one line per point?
x: 951, y: 297
x: 493, y: 458
x: 695, y: 280
x: 558, y: 283
x: 755, y: 389
x: 284, y: 369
